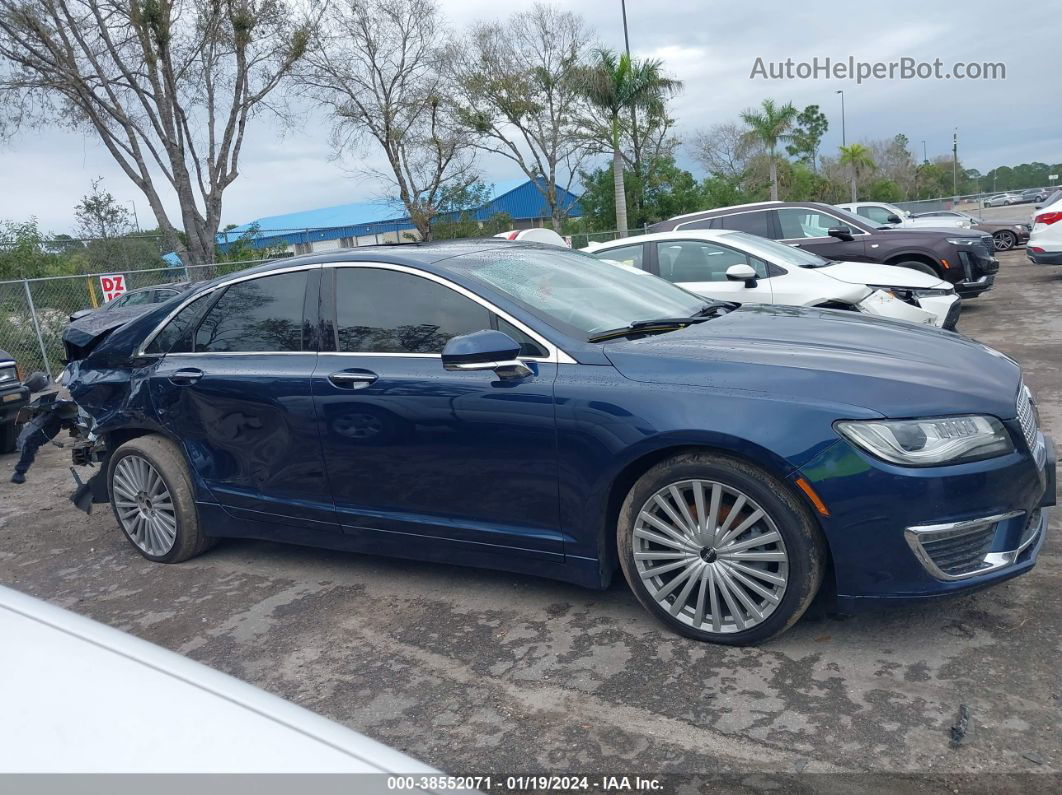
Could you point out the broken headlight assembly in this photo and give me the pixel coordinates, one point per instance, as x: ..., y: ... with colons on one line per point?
x: 933, y: 441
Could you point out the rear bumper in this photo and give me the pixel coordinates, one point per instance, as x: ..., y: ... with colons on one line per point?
x: 1044, y: 257
x: 11, y: 400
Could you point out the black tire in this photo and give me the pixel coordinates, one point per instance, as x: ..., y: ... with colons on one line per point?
x: 915, y: 265
x: 803, y: 543
x: 168, y: 461
x: 1004, y: 240
x: 8, y: 436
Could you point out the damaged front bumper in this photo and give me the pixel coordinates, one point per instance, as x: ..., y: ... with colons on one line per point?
x: 881, y: 304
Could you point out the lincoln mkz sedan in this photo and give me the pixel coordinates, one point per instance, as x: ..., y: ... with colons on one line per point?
x: 520, y: 407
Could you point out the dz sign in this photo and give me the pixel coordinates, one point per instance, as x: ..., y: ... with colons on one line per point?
x: 112, y: 286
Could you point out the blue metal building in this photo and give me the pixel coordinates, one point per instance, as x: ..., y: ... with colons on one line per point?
x: 369, y: 223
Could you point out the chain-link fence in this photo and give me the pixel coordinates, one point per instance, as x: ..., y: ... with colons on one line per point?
x: 34, y: 312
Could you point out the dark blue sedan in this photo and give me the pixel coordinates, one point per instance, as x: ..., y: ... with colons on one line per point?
x: 524, y: 408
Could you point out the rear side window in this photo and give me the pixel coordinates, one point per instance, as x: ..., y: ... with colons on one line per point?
x: 754, y: 223
x: 260, y: 315
x: 385, y: 311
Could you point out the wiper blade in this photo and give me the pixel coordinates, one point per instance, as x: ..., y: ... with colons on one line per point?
x: 712, y: 307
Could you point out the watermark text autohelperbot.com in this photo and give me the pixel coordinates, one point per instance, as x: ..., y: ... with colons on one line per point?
x: 849, y: 68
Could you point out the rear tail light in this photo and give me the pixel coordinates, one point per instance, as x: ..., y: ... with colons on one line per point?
x: 1048, y: 218
x: 1036, y: 250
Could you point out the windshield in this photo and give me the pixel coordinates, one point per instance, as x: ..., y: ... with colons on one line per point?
x: 575, y: 290
x: 772, y: 251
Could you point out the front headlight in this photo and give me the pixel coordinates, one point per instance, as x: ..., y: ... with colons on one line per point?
x: 8, y: 374
x: 909, y: 294
x: 931, y: 441
x: 963, y: 241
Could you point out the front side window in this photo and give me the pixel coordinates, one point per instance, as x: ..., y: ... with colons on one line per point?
x: 797, y: 222
x: 385, y: 311
x: 176, y: 336
x: 625, y: 255
x: 259, y: 315
x: 696, y: 261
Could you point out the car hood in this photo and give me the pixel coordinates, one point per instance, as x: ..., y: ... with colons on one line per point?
x: 86, y: 331
x: 828, y: 357
x: 880, y: 275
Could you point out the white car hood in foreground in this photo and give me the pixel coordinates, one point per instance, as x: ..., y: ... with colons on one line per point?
x: 881, y: 275
x: 80, y: 697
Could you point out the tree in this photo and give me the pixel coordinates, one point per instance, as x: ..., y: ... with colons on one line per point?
x: 168, y: 87
x: 857, y: 158
x: 99, y: 215
x: 770, y: 126
x: 616, y: 85
x: 380, y: 68
x: 671, y: 192
x: 723, y: 150
x: 811, y: 125
x: 520, y: 95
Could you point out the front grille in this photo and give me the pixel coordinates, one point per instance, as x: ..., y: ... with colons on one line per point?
x: 959, y: 551
x: 1027, y: 415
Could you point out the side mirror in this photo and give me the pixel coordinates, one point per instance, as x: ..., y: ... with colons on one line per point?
x: 893, y: 219
x: 36, y: 382
x: 80, y: 314
x: 839, y: 232
x: 485, y: 350
x: 742, y: 273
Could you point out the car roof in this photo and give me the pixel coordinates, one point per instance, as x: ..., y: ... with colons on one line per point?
x: 683, y: 234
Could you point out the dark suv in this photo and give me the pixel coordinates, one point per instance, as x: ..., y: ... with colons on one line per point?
x: 13, y: 396
x: 962, y: 257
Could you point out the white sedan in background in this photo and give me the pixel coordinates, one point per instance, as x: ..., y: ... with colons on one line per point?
x: 736, y: 266
x: 883, y: 214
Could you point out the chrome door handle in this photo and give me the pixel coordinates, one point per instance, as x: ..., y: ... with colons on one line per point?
x: 186, y: 377
x: 352, y: 380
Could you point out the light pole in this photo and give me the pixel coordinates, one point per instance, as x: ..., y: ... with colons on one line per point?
x: 136, y: 221
x: 626, y: 41
x: 925, y: 157
x: 841, y: 92
x: 955, y: 163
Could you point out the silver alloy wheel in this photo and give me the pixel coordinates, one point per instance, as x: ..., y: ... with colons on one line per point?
x: 1003, y: 241
x: 710, y: 555
x: 144, y: 505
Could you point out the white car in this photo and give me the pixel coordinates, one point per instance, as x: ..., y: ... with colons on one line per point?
x: 1003, y: 200
x: 536, y: 234
x: 736, y: 266
x: 1045, y: 240
x: 884, y: 214
x: 79, y: 698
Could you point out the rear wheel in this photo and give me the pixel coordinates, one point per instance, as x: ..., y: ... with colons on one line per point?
x: 719, y: 550
x: 1004, y: 240
x: 915, y: 265
x: 152, y: 499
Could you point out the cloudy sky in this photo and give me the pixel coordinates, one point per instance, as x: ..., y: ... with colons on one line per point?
x: 712, y: 46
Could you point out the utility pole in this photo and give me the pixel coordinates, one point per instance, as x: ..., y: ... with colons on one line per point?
x: 843, y: 141
x: 626, y: 40
x: 925, y: 157
x: 635, y: 143
x: 136, y: 221
x: 955, y: 163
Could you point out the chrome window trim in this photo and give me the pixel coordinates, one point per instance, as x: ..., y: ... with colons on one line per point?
x: 235, y: 280
x: 554, y: 354
x: 856, y: 230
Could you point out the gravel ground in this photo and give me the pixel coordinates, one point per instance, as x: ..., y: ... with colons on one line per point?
x: 480, y: 671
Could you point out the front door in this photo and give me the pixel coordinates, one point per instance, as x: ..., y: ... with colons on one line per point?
x: 417, y: 455
x: 234, y: 387
x: 700, y: 267
x: 808, y: 229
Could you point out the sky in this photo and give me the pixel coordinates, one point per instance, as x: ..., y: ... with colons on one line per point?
x: 711, y: 45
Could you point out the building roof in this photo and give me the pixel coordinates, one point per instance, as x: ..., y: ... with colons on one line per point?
x: 518, y: 198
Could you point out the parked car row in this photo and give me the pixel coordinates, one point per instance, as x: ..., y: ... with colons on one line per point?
x: 1005, y: 236
x: 525, y: 407
x: 1017, y: 197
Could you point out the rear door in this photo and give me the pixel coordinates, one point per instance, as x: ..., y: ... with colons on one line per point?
x: 808, y: 228
x: 234, y: 388
x: 418, y: 457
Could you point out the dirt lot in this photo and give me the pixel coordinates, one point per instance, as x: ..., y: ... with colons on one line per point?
x: 480, y: 671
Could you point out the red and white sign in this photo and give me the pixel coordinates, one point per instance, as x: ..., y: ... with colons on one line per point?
x: 112, y: 286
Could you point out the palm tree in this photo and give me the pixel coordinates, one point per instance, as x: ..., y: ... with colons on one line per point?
x: 770, y: 126
x: 857, y: 157
x: 617, y: 85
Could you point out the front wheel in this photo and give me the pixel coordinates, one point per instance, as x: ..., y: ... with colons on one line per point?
x: 1004, y: 241
x: 152, y: 499
x: 915, y: 265
x: 718, y: 550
